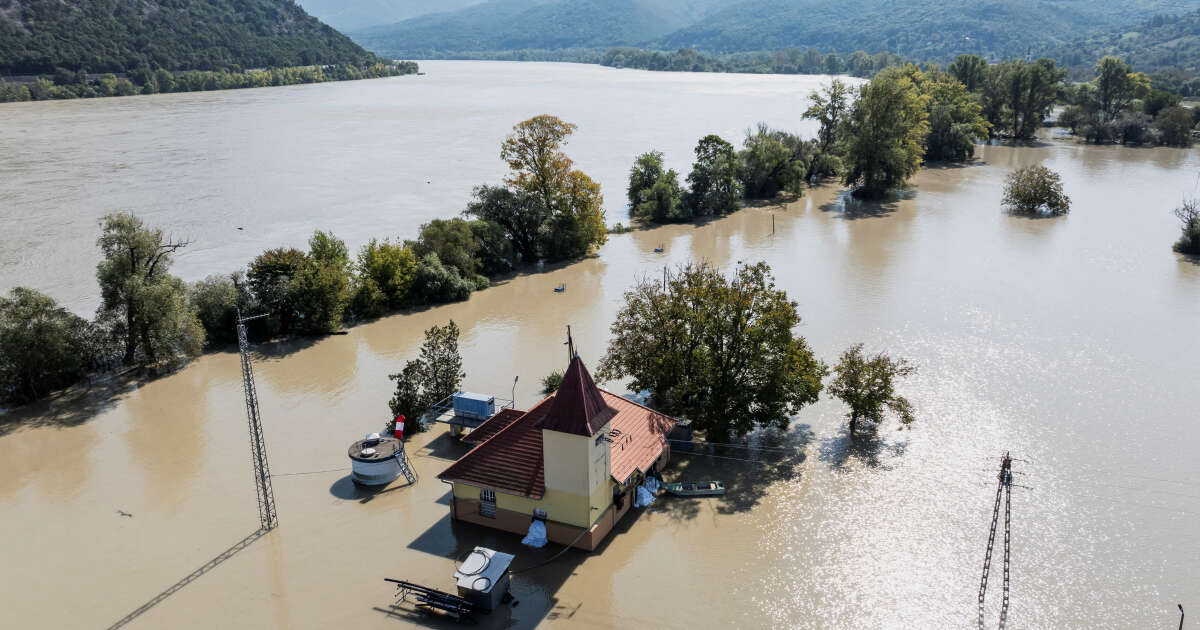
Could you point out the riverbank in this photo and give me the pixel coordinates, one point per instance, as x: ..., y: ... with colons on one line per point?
x: 78, y: 85
x: 1026, y: 333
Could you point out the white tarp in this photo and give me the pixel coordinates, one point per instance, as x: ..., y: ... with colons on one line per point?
x: 536, y: 536
x: 644, y: 497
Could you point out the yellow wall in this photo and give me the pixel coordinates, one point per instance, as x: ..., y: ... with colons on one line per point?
x: 565, y: 456
x: 562, y: 507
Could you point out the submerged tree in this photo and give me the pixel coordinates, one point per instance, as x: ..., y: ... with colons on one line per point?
x: 719, y: 351
x: 714, y: 185
x: 1036, y: 190
x: 43, y: 346
x: 1189, y: 219
x: 885, y: 133
x: 955, y: 119
x: 431, y: 377
x: 146, y: 306
x: 867, y: 386
x: 773, y: 162
x: 829, y: 107
x: 540, y: 168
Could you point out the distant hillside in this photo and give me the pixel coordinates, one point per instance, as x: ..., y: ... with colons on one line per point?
x: 500, y: 25
x: 1161, y: 42
x: 348, y: 15
x: 915, y: 29
x: 36, y: 36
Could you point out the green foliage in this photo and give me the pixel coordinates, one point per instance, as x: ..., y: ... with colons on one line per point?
x: 387, y: 273
x: 867, y: 386
x: 885, y: 133
x: 435, y: 283
x: 518, y: 214
x: 773, y: 162
x: 145, y: 305
x: 829, y: 107
x: 786, y: 61
x: 969, y: 70
x: 216, y: 300
x: 43, y: 346
x: 453, y: 241
x: 1035, y: 190
x: 1116, y: 87
x: 431, y: 377
x: 495, y: 253
x: 541, y: 169
x: 1161, y: 43
x: 1157, y: 100
x: 655, y: 194
x: 270, y: 277
x: 718, y: 351
x: 1175, y: 125
x: 1017, y: 95
x: 551, y: 382
x: 955, y: 119
x: 326, y: 249
x: 714, y: 185
x: 40, y: 36
x: 1189, y: 220
x: 321, y: 295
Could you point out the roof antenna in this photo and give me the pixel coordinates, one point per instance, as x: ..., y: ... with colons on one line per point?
x: 570, y: 346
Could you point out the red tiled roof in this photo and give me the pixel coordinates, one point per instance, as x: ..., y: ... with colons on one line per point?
x: 510, y: 459
x: 579, y: 408
x: 493, y: 425
x: 638, y: 435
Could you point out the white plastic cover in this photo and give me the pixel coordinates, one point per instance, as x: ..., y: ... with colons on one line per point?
x: 653, y: 485
x: 536, y: 536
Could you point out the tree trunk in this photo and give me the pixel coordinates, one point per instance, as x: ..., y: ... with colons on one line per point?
x: 853, y: 423
x: 130, y: 334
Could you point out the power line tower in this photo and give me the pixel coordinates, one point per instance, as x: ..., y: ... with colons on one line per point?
x: 258, y: 447
x: 1004, y: 486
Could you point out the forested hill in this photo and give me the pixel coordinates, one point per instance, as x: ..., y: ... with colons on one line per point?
x: 914, y: 29
x: 504, y: 25
x: 1159, y: 43
x: 346, y: 15
x: 37, y: 36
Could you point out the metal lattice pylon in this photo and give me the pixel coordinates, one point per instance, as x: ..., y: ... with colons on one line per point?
x: 1003, y: 490
x: 258, y: 447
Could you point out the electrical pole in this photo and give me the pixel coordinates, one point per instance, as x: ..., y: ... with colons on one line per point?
x: 258, y: 448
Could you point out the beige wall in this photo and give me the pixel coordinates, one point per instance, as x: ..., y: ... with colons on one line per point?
x: 561, y: 507
x: 566, y: 460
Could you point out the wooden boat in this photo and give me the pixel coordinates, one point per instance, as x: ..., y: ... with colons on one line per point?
x: 695, y: 488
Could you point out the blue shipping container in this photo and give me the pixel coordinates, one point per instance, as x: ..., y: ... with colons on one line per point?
x: 478, y: 406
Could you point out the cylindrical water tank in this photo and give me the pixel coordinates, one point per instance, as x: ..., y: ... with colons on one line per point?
x: 373, y: 462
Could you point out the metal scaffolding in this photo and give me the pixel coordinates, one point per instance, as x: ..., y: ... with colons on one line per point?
x: 258, y: 448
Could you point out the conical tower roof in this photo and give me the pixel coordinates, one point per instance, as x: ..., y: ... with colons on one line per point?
x: 578, y: 406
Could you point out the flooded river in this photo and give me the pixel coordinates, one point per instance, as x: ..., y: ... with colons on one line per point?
x: 1071, y: 342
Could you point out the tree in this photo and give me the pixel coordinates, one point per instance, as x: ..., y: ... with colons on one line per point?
x: 496, y: 253
x: 147, y: 306
x: 718, y: 351
x: 43, y: 346
x: 955, y: 119
x: 885, y: 133
x: 320, y: 293
x: 387, y: 269
x: 1189, y: 219
x: 715, y: 181
x: 519, y: 214
x: 1117, y: 86
x: 551, y: 381
x: 433, y: 376
x: 327, y: 249
x: 452, y: 240
x: 867, y: 386
x: 540, y: 168
x: 664, y: 200
x: 969, y: 70
x: 646, y: 170
x: 1035, y: 190
x: 434, y: 283
x: 216, y: 300
x: 270, y: 278
x: 1175, y: 125
x: 772, y: 162
x: 829, y: 107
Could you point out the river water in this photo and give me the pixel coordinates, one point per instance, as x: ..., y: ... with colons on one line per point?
x: 1069, y: 341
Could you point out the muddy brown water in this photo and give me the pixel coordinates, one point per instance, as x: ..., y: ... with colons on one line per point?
x: 1070, y: 342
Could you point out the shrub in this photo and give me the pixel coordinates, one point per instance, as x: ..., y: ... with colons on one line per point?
x: 215, y: 300
x: 551, y: 381
x: 436, y: 283
x: 1036, y: 190
x: 1175, y: 125
x: 43, y: 346
x: 1189, y: 237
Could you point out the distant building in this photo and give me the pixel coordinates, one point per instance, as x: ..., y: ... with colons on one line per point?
x: 575, y: 459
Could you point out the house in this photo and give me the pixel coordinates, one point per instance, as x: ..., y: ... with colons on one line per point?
x: 575, y: 460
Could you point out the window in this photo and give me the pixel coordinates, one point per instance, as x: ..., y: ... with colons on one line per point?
x: 487, y: 503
